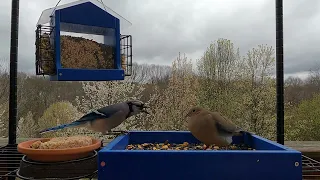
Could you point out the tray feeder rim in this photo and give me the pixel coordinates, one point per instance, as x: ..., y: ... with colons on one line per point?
x: 203, y: 151
x: 109, y: 146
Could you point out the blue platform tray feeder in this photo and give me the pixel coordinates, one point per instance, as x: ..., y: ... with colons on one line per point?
x: 270, y: 160
x: 81, y: 41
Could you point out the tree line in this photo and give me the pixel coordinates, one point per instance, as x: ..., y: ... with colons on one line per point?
x: 240, y: 87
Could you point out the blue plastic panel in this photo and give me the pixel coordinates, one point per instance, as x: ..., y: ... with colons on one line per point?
x: 88, y: 75
x: 269, y: 161
x: 45, y: 15
x: 87, y: 14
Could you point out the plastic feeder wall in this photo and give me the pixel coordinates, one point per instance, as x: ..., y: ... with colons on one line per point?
x: 269, y: 161
x: 85, y: 17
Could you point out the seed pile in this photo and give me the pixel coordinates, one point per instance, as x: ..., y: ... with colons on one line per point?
x: 81, y: 53
x: 63, y: 142
x: 184, y: 146
x: 78, y: 53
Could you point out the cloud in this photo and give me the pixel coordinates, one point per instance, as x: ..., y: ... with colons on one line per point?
x: 161, y: 29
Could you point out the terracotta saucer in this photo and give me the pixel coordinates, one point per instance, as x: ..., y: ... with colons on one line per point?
x: 56, y: 155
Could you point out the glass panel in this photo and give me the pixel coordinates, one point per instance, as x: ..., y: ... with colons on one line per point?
x: 87, y: 47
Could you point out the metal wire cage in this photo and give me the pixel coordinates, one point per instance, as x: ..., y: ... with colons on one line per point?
x: 126, y: 53
x: 310, y: 168
x: 9, y: 161
x: 45, y: 62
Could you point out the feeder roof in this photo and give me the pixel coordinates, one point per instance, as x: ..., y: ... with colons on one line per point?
x: 45, y: 15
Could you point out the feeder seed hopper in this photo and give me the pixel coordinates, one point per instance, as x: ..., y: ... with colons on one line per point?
x: 81, y: 41
x: 78, y: 41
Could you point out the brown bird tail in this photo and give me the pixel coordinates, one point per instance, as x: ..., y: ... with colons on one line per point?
x: 250, y: 141
x: 241, y: 133
x: 238, y: 133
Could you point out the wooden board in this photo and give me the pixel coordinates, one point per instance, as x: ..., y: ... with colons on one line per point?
x: 304, y: 146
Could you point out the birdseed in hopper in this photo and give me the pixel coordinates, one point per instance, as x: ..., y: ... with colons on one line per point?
x: 184, y: 146
x: 77, y: 53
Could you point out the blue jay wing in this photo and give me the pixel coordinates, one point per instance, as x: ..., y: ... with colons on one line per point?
x: 106, y: 124
x: 91, y: 116
x: 103, y: 113
x: 112, y: 109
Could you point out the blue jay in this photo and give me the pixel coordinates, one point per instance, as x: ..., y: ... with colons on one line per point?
x: 106, y: 118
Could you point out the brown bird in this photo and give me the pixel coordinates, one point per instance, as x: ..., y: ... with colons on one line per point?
x: 211, y: 127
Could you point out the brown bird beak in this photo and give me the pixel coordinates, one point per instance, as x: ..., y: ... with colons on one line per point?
x: 144, y: 109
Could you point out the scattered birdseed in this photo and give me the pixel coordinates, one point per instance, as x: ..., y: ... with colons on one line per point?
x: 185, y: 146
x: 63, y: 142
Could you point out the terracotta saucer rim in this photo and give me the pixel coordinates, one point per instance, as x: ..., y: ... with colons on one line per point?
x: 77, y: 150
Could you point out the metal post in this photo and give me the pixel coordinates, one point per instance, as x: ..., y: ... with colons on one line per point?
x: 13, y: 72
x: 279, y: 71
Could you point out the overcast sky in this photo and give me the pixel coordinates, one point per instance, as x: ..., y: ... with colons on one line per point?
x: 161, y: 29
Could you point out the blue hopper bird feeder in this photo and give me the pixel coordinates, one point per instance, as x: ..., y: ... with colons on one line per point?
x: 81, y: 41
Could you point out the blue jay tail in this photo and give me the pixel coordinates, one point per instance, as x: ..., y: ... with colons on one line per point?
x: 62, y: 126
x: 242, y: 132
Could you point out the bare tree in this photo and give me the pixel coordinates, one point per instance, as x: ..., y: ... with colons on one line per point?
x: 4, y: 98
x: 139, y: 72
x: 217, y: 68
x: 4, y: 82
x: 313, y: 81
x: 149, y: 73
x: 294, y: 91
x: 259, y: 96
